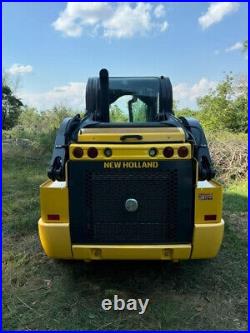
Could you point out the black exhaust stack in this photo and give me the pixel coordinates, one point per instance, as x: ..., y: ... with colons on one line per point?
x: 104, y: 95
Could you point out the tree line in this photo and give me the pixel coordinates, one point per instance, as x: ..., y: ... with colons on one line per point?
x: 223, y: 108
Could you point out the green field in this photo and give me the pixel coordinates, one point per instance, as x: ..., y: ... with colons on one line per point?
x: 41, y: 293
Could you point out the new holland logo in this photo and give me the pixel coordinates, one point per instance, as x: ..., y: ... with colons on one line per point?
x: 131, y: 165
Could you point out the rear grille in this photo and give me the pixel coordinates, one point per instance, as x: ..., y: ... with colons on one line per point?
x: 156, y: 194
x: 133, y: 232
x: 97, y: 199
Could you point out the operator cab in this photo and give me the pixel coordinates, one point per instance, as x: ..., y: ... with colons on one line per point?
x: 129, y: 99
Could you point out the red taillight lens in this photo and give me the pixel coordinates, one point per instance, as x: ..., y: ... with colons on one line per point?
x: 78, y: 152
x: 168, y: 152
x: 210, y: 217
x: 53, y: 217
x: 92, y: 152
x: 183, y: 152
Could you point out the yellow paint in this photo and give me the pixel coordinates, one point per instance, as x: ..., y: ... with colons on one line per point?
x: 54, y: 200
x: 55, y: 239
x: 131, y: 252
x: 164, y: 134
x: 213, y: 206
x: 129, y: 152
x: 55, y: 235
x: 207, y: 239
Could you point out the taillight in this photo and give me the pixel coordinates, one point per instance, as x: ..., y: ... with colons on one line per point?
x: 53, y: 217
x: 168, y: 152
x: 183, y: 151
x: 210, y: 217
x: 92, y: 152
x: 78, y: 152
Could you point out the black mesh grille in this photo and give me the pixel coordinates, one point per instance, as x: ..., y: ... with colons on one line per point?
x: 156, y: 194
x: 97, y: 199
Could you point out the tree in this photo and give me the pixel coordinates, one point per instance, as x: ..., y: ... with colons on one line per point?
x: 116, y: 114
x: 226, y: 106
x: 11, y: 107
x: 245, y: 46
x: 139, y: 109
x: 186, y: 112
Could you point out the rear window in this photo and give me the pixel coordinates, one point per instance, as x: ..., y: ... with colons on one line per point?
x: 133, y: 99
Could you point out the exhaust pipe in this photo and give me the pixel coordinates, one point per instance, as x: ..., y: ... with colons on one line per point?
x: 104, y: 94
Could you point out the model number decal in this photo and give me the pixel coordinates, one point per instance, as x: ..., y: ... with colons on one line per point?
x: 206, y: 196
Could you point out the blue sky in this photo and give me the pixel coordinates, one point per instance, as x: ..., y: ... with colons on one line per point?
x: 52, y: 48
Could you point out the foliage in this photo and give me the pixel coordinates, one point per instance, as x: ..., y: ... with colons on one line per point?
x: 39, y: 127
x: 187, y: 112
x: 11, y: 107
x: 245, y: 46
x: 138, y: 111
x: 116, y: 114
x: 226, y: 107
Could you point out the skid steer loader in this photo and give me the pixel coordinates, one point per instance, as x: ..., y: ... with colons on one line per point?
x: 130, y: 180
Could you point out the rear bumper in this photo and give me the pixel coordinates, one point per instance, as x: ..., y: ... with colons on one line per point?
x: 56, y: 242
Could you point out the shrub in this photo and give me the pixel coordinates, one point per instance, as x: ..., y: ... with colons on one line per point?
x: 39, y: 127
x: 226, y: 107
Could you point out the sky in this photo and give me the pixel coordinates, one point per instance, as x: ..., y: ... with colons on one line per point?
x: 51, y: 48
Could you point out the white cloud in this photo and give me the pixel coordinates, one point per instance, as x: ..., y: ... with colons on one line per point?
x: 78, y: 16
x: 71, y: 95
x: 116, y: 20
x: 164, y: 26
x: 185, y: 93
x: 216, y: 52
x: 127, y: 21
x: 235, y: 47
x: 216, y: 11
x: 159, y: 11
x: 19, y: 69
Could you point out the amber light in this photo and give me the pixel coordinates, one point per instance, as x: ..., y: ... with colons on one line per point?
x: 168, y: 152
x: 210, y: 217
x: 78, y: 152
x: 183, y: 151
x: 53, y: 217
x: 92, y: 152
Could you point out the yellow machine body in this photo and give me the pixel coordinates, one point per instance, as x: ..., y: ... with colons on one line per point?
x: 208, y: 225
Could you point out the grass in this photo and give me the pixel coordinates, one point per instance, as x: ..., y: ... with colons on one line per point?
x: 235, y: 197
x: 45, y: 294
x: 226, y: 135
